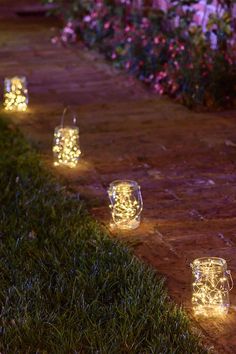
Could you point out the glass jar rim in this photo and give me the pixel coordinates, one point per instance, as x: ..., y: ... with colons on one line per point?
x: 130, y: 182
x: 218, y: 261
x: 21, y: 78
x: 74, y: 127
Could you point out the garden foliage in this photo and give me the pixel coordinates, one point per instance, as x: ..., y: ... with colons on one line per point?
x: 185, y: 49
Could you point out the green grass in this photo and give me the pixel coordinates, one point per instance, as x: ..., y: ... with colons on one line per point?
x: 65, y: 286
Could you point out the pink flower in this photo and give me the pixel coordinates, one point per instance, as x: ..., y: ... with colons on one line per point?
x: 127, y: 65
x: 145, y: 23
x: 176, y: 64
x: 94, y: 14
x: 68, y: 34
x: 106, y: 25
x: 55, y: 40
x: 161, y: 75
x: 159, y: 89
x: 160, y: 4
x: 87, y: 19
x: 174, y: 88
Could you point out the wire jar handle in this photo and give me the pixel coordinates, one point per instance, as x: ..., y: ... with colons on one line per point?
x: 74, y: 119
x: 231, y: 284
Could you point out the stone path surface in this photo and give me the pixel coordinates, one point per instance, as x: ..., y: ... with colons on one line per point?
x: 185, y: 162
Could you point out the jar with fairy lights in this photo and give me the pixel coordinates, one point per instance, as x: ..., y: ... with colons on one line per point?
x: 15, y: 94
x: 126, y: 204
x: 66, y: 148
x: 211, y: 285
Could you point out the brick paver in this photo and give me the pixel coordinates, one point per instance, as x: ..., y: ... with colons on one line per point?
x: 184, y: 161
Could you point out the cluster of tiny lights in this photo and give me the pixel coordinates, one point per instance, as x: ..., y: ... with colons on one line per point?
x: 210, y: 288
x: 16, y: 94
x: 66, y: 146
x: 125, y: 205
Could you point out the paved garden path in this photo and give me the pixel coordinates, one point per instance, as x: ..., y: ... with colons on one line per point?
x: 185, y: 162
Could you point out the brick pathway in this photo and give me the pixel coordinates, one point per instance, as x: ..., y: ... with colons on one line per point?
x: 185, y: 162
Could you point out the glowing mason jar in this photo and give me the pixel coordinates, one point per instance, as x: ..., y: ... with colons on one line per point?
x: 15, y: 94
x: 66, y: 148
x: 126, y: 203
x: 211, y: 286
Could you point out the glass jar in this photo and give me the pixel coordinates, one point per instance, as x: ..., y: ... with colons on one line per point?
x: 15, y: 94
x: 66, y: 148
x: 211, y: 286
x: 126, y: 203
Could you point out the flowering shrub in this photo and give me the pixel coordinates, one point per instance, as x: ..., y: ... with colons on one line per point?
x: 185, y: 49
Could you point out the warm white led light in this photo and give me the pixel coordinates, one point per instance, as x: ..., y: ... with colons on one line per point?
x: 15, y: 94
x: 211, y: 286
x: 126, y: 203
